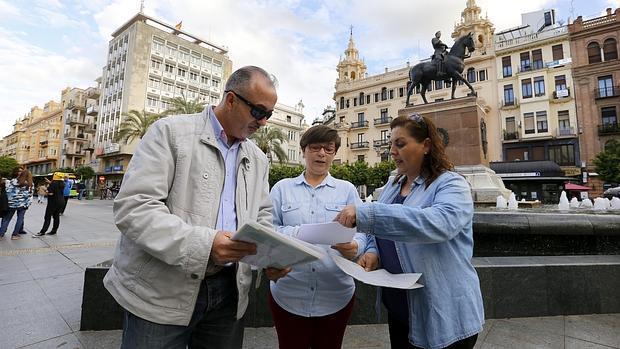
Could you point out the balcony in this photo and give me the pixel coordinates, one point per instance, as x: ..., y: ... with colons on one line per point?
x: 506, y: 105
x: 75, y: 106
x: 383, y: 121
x: 607, y: 92
x: 74, y: 120
x: 561, y: 95
x: 565, y: 132
x: 608, y: 129
x: 93, y: 93
x: 92, y: 110
x: 72, y: 152
x: 89, y: 146
x: 378, y: 143
x: 511, y: 136
x: 359, y: 124
x: 71, y: 136
x: 359, y: 145
x: 340, y: 125
x: 90, y: 129
x: 43, y: 143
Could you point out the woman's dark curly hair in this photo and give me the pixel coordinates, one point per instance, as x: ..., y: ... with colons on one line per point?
x: 420, y: 127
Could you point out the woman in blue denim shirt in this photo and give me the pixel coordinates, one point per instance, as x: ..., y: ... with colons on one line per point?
x: 312, y: 303
x: 423, y: 224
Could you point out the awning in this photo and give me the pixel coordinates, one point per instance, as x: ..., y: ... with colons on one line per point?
x: 571, y: 186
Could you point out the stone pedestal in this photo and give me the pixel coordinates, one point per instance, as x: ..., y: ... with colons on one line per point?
x: 462, y: 124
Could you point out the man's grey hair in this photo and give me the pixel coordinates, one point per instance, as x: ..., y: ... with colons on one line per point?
x: 239, y: 80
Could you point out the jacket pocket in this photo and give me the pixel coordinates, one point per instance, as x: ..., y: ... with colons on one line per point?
x: 291, y: 213
x: 332, y: 210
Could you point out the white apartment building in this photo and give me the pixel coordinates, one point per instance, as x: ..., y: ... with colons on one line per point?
x: 148, y: 63
x: 291, y: 121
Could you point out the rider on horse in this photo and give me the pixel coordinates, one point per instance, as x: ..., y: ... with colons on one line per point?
x: 440, y: 54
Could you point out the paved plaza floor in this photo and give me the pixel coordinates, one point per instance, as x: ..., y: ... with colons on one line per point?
x: 41, y: 284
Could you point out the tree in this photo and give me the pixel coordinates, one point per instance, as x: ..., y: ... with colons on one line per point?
x: 607, y: 162
x: 181, y: 105
x: 269, y: 139
x: 379, y: 174
x: 85, y: 172
x: 135, y: 125
x: 7, y: 164
x: 279, y: 172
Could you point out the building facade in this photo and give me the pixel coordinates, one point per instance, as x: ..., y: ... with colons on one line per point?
x: 81, y: 108
x: 150, y: 62
x: 535, y: 85
x: 365, y: 105
x: 291, y: 121
x: 36, y: 139
x: 596, y: 71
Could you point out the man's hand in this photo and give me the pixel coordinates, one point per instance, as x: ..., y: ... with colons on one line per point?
x: 369, y: 261
x: 346, y: 217
x: 274, y: 274
x: 347, y: 249
x: 225, y: 250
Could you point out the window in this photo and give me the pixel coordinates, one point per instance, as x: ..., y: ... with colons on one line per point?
x: 560, y: 82
x: 355, y: 101
x: 558, y: 52
x: 168, y: 87
x: 526, y: 64
x: 360, y: 158
x: 360, y: 137
x: 528, y: 120
x: 289, y: 119
x: 215, y: 83
x: 537, y: 59
x: 181, y: 72
x: 539, y: 86
x: 594, y: 52
x: 171, y: 51
x: 361, y: 99
x: 384, y: 135
x: 401, y: 91
x: 605, y: 86
x: 367, y: 99
x: 511, y: 126
x: 383, y: 94
x: 153, y: 83
x: 506, y: 66
x: 193, y: 76
x: 563, y: 122
x: 151, y: 102
x: 155, y: 64
x: 609, y: 116
x: 391, y: 94
x: 509, y: 96
x: 471, y: 75
x: 384, y: 115
x: 563, y: 155
x: 482, y: 75
x: 376, y: 97
x: 360, y: 119
x: 541, y: 121
x: 169, y: 69
x: 526, y: 88
x: 341, y: 102
x: 610, y: 51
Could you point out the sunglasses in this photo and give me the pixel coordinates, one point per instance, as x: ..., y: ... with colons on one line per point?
x: 257, y: 112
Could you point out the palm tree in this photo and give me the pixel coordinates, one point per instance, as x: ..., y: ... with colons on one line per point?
x: 181, y: 105
x: 269, y: 139
x: 135, y: 125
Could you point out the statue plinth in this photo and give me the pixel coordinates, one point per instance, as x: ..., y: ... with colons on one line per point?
x: 462, y: 123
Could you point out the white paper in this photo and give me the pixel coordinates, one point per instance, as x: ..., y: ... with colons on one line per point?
x: 274, y: 249
x: 379, y: 277
x: 325, y: 233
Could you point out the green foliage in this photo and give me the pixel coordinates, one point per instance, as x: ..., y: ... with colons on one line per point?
x: 7, y: 164
x: 278, y: 172
x: 181, y: 105
x: 608, y: 162
x: 379, y: 174
x: 269, y: 139
x: 85, y: 172
x: 135, y: 124
x: 359, y: 173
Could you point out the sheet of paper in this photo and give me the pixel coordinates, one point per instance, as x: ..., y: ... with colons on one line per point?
x: 379, y: 277
x: 274, y: 249
x: 325, y: 233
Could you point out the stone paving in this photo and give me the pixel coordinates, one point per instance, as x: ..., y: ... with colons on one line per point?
x: 41, y: 284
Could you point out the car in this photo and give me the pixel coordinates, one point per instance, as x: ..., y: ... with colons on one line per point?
x: 612, y: 192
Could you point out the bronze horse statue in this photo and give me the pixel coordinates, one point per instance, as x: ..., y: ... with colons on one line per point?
x: 425, y: 72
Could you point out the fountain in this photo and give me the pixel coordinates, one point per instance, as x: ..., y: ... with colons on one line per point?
x: 563, y: 205
x: 586, y: 203
x: 574, y: 203
x: 600, y: 204
x: 513, y: 204
x: 501, y: 202
x: 615, y: 204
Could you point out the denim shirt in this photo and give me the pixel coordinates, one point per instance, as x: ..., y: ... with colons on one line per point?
x: 318, y: 288
x: 433, y: 235
x: 18, y: 196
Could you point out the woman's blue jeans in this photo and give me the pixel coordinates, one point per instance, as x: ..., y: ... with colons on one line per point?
x: 19, y: 225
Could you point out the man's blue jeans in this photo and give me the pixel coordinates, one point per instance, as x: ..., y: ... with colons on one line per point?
x: 19, y: 225
x: 212, y: 324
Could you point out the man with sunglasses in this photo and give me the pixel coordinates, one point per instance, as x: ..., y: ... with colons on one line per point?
x: 193, y: 180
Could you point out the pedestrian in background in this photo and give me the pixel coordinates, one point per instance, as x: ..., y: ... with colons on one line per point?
x: 66, y: 193
x: 19, y: 196
x: 42, y: 190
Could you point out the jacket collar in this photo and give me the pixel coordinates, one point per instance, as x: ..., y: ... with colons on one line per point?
x: 207, y: 135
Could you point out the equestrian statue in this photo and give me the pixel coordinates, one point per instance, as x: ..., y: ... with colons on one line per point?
x: 444, y: 66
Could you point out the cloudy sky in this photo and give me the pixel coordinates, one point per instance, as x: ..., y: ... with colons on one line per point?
x: 46, y: 45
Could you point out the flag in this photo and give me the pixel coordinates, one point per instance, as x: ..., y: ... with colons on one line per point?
x: 178, y: 26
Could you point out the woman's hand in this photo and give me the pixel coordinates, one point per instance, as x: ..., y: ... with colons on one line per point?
x: 347, y: 249
x: 346, y: 217
x: 369, y: 261
x: 274, y: 274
